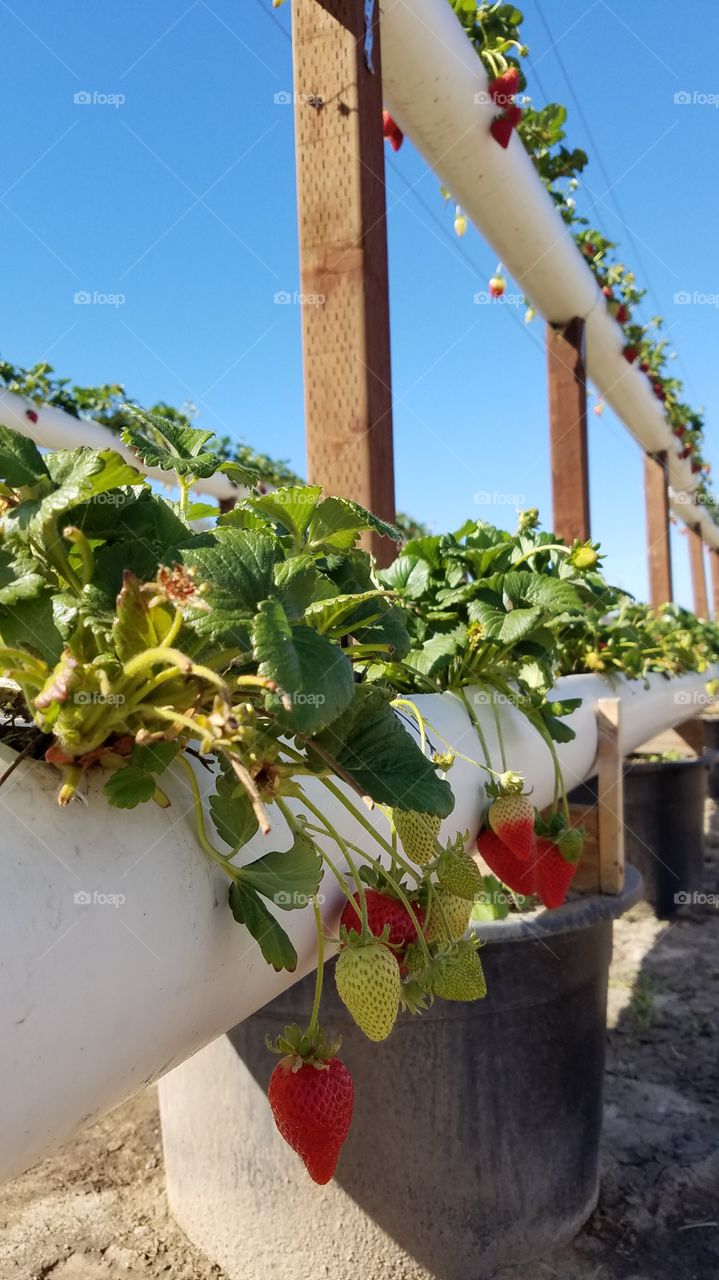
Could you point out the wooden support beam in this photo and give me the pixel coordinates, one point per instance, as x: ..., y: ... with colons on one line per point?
x: 699, y: 582
x: 656, y: 493
x: 343, y: 256
x: 610, y: 795
x: 714, y: 563
x: 568, y: 431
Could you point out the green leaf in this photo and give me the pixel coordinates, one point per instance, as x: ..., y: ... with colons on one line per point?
x: 136, y: 626
x: 551, y: 594
x: 243, y: 476
x: 154, y: 758
x: 231, y: 809
x: 129, y: 786
x: 21, y: 462
x: 29, y: 624
x: 370, y: 743
x: 18, y: 579
x: 292, y: 507
x: 171, y: 446
x: 238, y: 568
x: 309, y: 668
x: 248, y: 909
x: 81, y: 474
x: 507, y: 628
x: 290, y: 878
x: 407, y: 574
x: 299, y: 583
x: 437, y: 652
x: 337, y: 524
x: 325, y: 615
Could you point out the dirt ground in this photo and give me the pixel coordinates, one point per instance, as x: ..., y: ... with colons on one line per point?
x: 97, y: 1210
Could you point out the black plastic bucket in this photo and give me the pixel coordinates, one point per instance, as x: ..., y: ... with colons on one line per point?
x: 711, y: 746
x: 475, y: 1140
x: 663, y: 826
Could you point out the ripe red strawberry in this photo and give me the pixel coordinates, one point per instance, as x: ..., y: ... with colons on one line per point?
x: 31, y: 414
x: 503, y: 90
x: 588, y: 249
x: 512, y: 819
x: 658, y: 390
x: 679, y: 431
x: 501, y: 130
x: 497, y: 286
x: 630, y: 354
x: 392, y: 131
x: 312, y: 1106
x: 514, y: 115
x: 382, y: 910
x: 622, y: 314
x: 554, y: 874
x: 686, y: 452
x: 608, y: 291
x: 644, y: 367
x: 518, y: 875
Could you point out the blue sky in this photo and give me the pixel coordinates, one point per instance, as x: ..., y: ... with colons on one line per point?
x: 182, y: 200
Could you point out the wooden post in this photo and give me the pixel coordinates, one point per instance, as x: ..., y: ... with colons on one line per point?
x: 656, y: 493
x: 343, y: 257
x: 699, y: 582
x: 568, y: 431
x: 610, y: 796
x: 714, y: 562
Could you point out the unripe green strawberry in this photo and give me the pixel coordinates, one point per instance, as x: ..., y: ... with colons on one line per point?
x: 459, y: 874
x: 368, y: 983
x: 418, y: 833
x: 457, y: 912
x: 460, y: 976
x: 512, y: 819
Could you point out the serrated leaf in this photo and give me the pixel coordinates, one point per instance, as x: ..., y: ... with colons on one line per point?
x: 291, y: 507
x: 551, y: 594
x: 29, y: 624
x: 239, y: 475
x: 507, y: 628
x: 288, y: 878
x: 408, y: 575
x: 129, y: 786
x: 171, y: 446
x: 337, y: 524
x: 21, y: 462
x: 370, y: 742
x: 325, y: 615
x: 238, y: 569
x: 313, y: 672
x: 299, y: 583
x: 18, y: 579
x: 81, y: 474
x: 231, y: 809
x: 155, y: 757
x: 437, y: 652
x: 248, y: 909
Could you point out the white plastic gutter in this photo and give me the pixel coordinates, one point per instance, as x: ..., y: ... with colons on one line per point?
x: 56, y: 429
x: 436, y: 88
x: 119, y: 957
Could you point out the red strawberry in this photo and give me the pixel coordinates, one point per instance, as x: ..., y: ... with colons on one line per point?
x: 518, y: 875
x: 392, y: 131
x: 622, y: 314
x: 514, y: 115
x: 588, y: 249
x: 658, y: 390
x: 553, y: 873
x: 382, y: 911
x: 644, y: 367
x: 31, y: 414
x: 679, y: 431
x: 312, y: 1107
x: 512, y: 819
x: 501, y: 130
x: 503, y: 90
x: 686, y: 452
x: 630, y: 354
x: 497, y: 286
x: 608, y: 291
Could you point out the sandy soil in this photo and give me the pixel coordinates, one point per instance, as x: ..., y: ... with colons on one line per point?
x: 97, y: 1210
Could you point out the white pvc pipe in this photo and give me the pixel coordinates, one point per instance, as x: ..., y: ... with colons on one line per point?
x: 100, y: 997
x: 436, y: 88
x: 56, y: 429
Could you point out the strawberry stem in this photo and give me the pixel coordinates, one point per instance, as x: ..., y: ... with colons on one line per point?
x: 314, y: 1017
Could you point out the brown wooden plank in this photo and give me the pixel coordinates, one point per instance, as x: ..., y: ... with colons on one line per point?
x: 692, y: 732
x: 699, y: 582
x: 656, y: 493
x: 610, y: 795
x: 714, y: 563
x: 568, y: 431
x: 343, y: 257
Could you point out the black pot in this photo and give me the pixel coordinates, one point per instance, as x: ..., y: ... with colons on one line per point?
x: 663, y: 826
x: 475, y: 1139
x: 711, y: 746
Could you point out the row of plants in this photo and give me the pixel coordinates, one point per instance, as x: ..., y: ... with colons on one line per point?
x: 271, y: 650
x: 495, y: 31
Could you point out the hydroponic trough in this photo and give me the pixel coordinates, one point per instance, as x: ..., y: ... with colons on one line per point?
x: 119, y: 957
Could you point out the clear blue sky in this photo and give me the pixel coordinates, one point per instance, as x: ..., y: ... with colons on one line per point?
x: 183, y: 200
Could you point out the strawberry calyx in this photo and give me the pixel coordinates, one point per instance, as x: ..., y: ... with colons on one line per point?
x: 298, y: 1047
